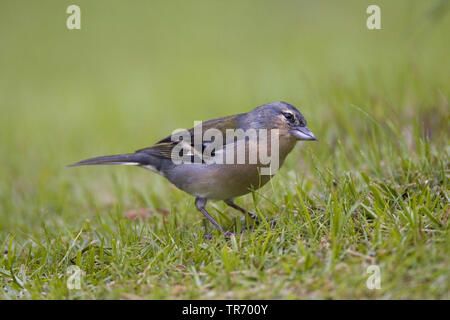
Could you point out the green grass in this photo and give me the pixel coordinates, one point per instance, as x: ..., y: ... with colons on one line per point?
x: 373, y: 191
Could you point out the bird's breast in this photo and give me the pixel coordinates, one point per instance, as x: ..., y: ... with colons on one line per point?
x: 225, y: 180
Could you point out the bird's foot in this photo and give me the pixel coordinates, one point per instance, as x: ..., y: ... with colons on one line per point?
x: 271, y: 221
x: 208, y: 237
x: 229, y: 234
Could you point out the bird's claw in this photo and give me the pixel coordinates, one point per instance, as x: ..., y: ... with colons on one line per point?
x: 272, y: 222
x: 228, y: 234
x: 207, y: 237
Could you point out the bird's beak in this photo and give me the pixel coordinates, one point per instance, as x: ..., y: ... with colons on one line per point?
x: 302, y: 133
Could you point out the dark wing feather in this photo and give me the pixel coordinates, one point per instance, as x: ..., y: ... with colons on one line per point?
x: 163, y: 148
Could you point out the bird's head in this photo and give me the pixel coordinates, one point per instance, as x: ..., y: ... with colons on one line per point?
x: 284, y: 117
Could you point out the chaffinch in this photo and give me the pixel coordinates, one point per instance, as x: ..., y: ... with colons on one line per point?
x: 201, y: 162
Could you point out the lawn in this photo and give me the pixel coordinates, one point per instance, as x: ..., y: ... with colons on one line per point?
x: 371, y: 194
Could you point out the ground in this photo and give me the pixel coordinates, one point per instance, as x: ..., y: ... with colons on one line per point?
x: 369, y: 201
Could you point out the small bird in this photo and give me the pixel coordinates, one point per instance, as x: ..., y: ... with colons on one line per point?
x: 217, y: 174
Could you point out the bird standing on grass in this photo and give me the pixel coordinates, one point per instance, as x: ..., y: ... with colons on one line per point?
x: 213, y: 176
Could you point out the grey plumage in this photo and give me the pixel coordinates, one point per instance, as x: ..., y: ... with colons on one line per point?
x: 218, y: 181
x: 131, y: 158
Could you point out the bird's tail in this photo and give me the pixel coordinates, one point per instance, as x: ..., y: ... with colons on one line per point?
x: 132, y: 159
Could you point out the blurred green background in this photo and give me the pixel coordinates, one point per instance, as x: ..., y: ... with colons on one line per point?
x: 137, y: 70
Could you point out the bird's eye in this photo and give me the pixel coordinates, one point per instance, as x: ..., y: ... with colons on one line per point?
x: 289, y: 116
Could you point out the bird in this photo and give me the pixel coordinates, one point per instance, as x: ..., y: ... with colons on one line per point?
x: 219, y: 174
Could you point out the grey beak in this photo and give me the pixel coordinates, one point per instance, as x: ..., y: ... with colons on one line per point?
x: 302, y: 133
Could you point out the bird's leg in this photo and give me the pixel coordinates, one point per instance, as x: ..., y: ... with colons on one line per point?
x: 200, y: 203
x: 235, y: 206
x: 231, y: 203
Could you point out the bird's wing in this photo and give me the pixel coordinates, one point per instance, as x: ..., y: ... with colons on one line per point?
x: 164, y: 147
